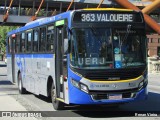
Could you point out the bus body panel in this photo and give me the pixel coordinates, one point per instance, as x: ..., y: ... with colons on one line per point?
x: 35, y: 70
x: 28, y: 67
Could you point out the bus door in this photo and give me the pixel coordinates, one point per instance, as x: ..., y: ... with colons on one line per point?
x: 13, y: 41
x: 60, y: 58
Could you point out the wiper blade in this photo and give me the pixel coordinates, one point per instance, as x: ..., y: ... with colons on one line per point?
x: 93, y: 30
x: 96, y: 33
x: 127, y: 33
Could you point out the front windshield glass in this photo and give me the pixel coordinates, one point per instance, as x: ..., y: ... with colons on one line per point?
x: 129, y: 48
x: 102, y: 48
x: 91, y: 48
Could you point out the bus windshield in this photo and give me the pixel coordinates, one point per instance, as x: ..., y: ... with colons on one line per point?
x: 129, y: 47
x: 102, y: 48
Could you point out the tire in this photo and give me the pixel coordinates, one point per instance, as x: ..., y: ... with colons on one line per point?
x: 57, y: 105
x: 20, y: 85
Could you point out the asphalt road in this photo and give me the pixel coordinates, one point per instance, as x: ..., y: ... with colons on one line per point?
x: 39, y: 103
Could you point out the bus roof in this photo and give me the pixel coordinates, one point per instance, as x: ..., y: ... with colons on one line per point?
x: 40, y: 22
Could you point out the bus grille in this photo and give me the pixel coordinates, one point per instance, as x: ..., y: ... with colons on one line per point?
x: 116, y: 75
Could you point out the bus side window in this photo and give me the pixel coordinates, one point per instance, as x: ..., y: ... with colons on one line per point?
x: 22, y: 43
x: 42, y: 42
x: 50, y: 38
x: 29, y: 42
x: 9, y: 45
x: 65, y: 35
x: 35, y: 40
x: 17, y: 43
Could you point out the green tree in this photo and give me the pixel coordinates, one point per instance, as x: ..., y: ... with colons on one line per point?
x: 3, y: 35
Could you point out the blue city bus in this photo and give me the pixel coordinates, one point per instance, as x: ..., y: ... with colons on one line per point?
x: 88, y: 56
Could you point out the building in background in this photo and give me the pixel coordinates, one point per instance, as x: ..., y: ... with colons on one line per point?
x: 153, y: 38
x: 153, y: 45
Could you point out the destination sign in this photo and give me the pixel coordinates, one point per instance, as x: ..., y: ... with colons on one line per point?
x: 106, y: 17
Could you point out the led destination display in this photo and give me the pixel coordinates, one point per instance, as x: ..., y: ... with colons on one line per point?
x: 106, y: 17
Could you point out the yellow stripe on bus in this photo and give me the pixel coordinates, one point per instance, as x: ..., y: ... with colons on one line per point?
x: 115, y: 81
x: 108, y: 9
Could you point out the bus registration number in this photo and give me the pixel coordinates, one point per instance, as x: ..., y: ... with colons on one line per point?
x: 115, y: 96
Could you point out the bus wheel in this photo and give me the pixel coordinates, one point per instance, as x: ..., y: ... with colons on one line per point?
x: 20, y: 85
x: 58, y: 105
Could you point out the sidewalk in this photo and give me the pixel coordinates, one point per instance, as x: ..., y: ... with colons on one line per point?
x: 7, y: 102
x: 10, y: 106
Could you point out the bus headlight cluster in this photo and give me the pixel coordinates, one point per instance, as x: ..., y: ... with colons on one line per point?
x: 141, y: 85
x: 75, y: 83
x: 145, y: 80
x: 84, y: 88
x: 79, y: 85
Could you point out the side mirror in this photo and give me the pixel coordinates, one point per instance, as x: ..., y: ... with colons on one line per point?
x: 65, y: 45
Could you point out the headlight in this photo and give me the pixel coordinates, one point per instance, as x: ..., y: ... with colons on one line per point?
x: 140, y: 85
x: 84, y: 88
x: 146, y: 80
x: 75, y: 83
x: 79, y: 85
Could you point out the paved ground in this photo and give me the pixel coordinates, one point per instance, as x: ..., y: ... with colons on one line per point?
x: 9, y: 103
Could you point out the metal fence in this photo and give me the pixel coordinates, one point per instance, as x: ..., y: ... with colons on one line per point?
x: 28, y: 12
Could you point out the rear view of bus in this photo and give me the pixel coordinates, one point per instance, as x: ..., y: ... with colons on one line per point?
x: 107, y: 57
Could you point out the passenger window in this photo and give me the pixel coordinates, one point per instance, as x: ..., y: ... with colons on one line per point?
x: 29, y: 41
x: 42, y: 42
x: 17, y: 43
x: 50, y: 39
x: 35, y: 41
x: 22, y: 43
x: 9, y: 45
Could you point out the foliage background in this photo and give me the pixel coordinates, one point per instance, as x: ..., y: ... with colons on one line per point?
x: 3, y: 36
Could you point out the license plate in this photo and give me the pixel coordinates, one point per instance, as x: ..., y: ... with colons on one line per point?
x: 115, y: 96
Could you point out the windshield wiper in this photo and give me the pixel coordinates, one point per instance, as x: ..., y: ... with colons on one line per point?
x: 127, y: 33
x: 96, y: 33
x: 93, y: 30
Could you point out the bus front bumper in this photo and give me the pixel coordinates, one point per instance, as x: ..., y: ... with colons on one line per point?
x: 77, y: 96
